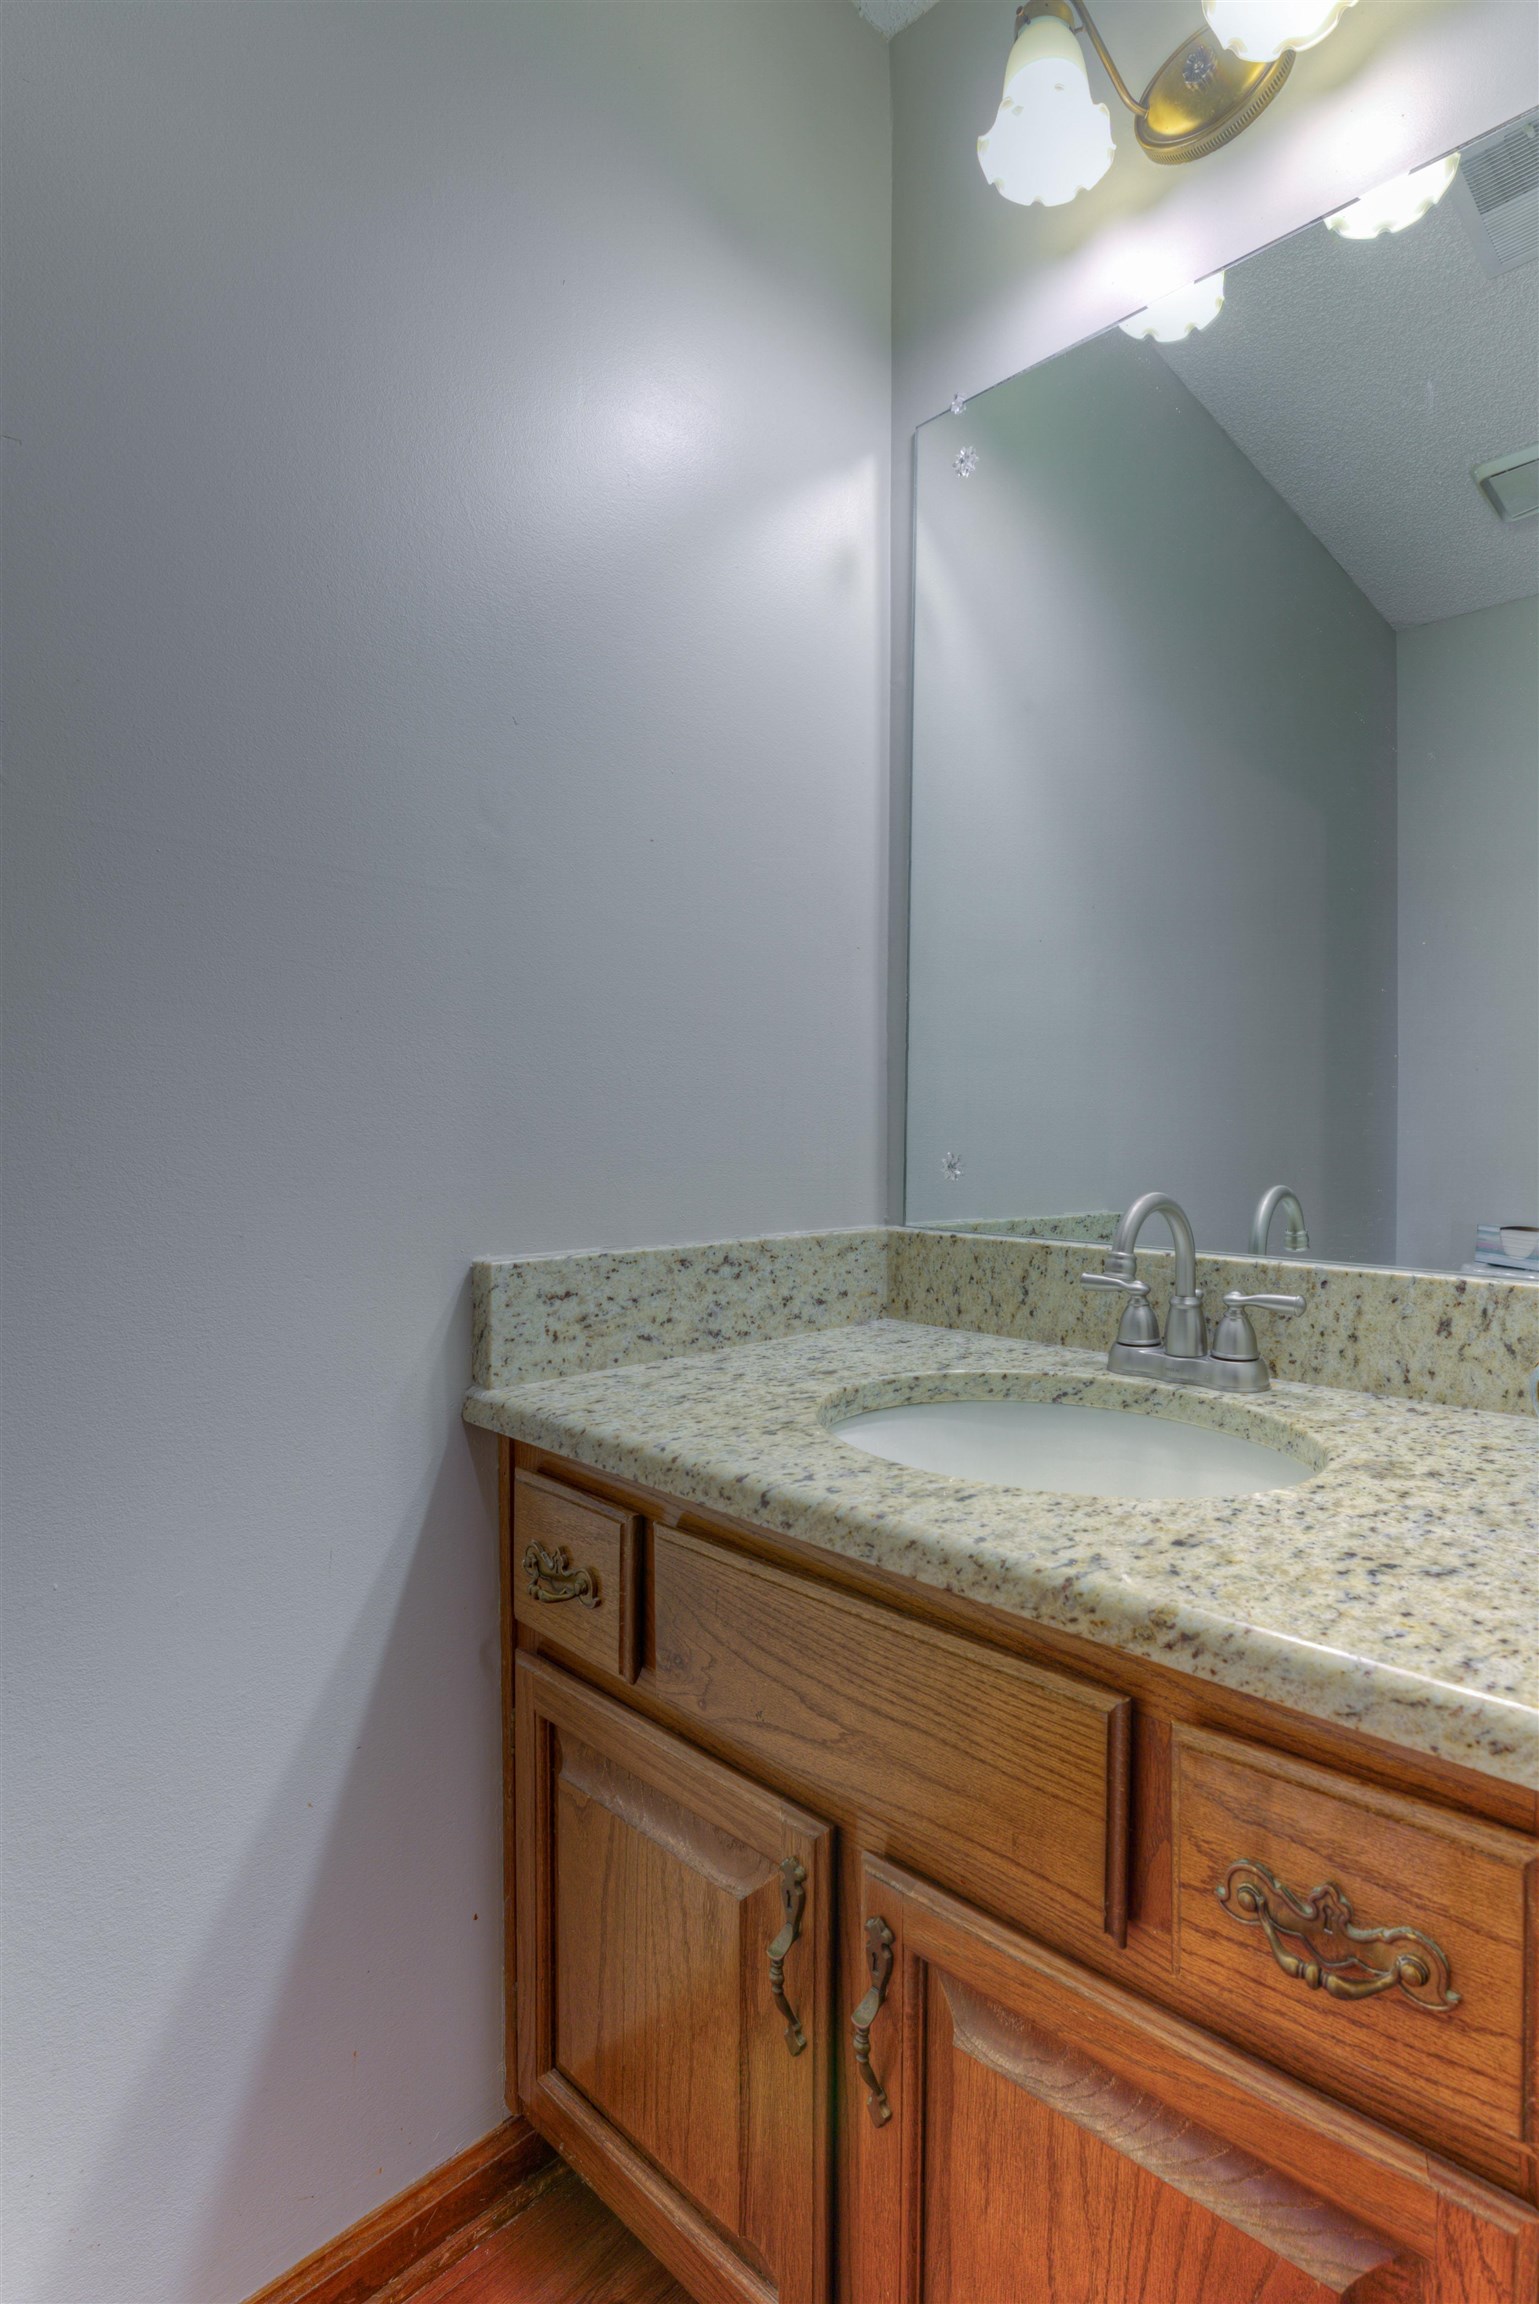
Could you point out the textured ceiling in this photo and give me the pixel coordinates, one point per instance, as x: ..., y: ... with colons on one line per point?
x: 1364, y: 379
x: 890, y: 16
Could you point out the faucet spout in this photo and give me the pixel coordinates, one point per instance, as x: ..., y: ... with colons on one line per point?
x: 1234, y: 1364
x: 1186, y: 1331
x: 1296, y: 1238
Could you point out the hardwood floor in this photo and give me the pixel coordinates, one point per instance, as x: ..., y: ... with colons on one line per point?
x: 564, y: 2248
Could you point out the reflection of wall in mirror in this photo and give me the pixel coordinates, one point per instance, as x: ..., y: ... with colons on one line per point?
x: 1469, y: 930
x: 1153, y: 902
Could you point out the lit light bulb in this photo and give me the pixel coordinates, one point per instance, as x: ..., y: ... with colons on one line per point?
x: 1049, y: 140
x: 1403, y: 200
x: 1259, y: 30
x: 1182, y: 313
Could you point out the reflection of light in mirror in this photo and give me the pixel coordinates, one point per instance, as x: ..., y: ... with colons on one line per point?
x: 1259, y: 30
x: 1048, y: 141
x: 1403, y: 200
x: 1182, y: 313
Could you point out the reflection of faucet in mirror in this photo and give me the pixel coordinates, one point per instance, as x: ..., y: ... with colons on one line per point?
x: 1296, y: 1238
x: 1233, y: 1365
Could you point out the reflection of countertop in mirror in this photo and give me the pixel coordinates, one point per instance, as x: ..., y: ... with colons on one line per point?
x: 1395, y: 1591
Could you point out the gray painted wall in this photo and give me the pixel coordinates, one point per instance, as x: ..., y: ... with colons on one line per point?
x: 983, y: 289
x: 1469, y: 930
x: 446, y: 594
x: 1153, y: 902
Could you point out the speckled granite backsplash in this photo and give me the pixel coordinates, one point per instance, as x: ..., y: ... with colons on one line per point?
x: 612, y: 1308
x: 1466, y: 1343
x: 1408, y: 1335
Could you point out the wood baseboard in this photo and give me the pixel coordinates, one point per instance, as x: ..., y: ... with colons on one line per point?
x: 416, y: 2224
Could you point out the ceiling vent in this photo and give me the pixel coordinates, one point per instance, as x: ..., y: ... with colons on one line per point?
x: 1497, y: 193
x: 1510, y: 484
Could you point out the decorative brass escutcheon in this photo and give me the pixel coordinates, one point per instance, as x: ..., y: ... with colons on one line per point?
x: 1338, y: 1955
x: 793, y: 1902
x: 552, y: 1576
x: 879, y: 1968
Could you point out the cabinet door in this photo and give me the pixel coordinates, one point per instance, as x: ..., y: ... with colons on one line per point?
x: 1033, y: 2135
x: 673, y: 1948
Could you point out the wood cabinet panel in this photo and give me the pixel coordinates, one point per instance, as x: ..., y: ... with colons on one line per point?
x: 663, y: 1903
x: 998, y: 1777
x: 1052, y: 2140
x: 574, y: 1562
x: 667, y: 1907
x: 1130, y: 2199
x: 1442, y: 2071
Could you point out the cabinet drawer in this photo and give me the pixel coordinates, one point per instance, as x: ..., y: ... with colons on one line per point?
x: 574, y: 1573
x: 1000, y: 1779
x: 1420, y: 2015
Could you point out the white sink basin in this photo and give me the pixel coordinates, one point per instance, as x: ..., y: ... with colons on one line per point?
x: 1069, y: 1450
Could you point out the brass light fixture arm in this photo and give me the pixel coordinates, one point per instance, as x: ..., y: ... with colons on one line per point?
x: 1201, y: 97
x: 1086, y: 24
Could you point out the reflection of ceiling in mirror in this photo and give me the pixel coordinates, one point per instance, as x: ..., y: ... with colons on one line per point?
x: 1364, y: 379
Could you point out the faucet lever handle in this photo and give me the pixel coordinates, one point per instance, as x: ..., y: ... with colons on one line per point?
x: 1139, y: 1326
x: 1236, y: 1338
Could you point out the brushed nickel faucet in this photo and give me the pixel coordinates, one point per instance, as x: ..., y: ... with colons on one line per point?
x: 1183, y: 1355
x: 1296, y: 1238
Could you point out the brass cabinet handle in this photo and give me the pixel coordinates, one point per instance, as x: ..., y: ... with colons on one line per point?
x: 1338, y: 1955
x: 793, y: 1902
x: 552, y: 1576
x: 879, y: 1968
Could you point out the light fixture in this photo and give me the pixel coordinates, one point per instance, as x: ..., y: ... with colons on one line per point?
x: 1391, y: 207
x: 1510, y: 484
x: 1182, y: 313
x: 1050, y: 139
x: 1259, y: 30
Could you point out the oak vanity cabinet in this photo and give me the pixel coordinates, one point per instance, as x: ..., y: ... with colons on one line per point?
x: 860, y: 1960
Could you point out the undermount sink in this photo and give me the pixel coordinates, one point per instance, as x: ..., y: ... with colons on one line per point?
x: 1070, y: 1450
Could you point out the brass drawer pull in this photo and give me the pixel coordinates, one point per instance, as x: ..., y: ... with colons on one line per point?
x: 879, y: 1968
x: 552, y: 1576
x: 793, y: 1902
x: 1337, y: 1954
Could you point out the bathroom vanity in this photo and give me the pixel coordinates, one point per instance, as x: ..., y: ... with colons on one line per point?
x: 931, y: 1892
x: 938, y: 1876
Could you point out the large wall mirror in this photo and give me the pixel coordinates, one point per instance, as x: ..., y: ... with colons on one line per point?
x: 1225, y: 864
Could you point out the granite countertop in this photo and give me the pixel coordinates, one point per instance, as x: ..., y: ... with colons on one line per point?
x: 1394, y: 1590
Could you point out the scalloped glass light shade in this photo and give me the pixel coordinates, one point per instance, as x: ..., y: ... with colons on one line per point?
x: 1391, y: 207
x: 1049, y: 140
x: 1182, y: 313
x: 1259, y: 30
